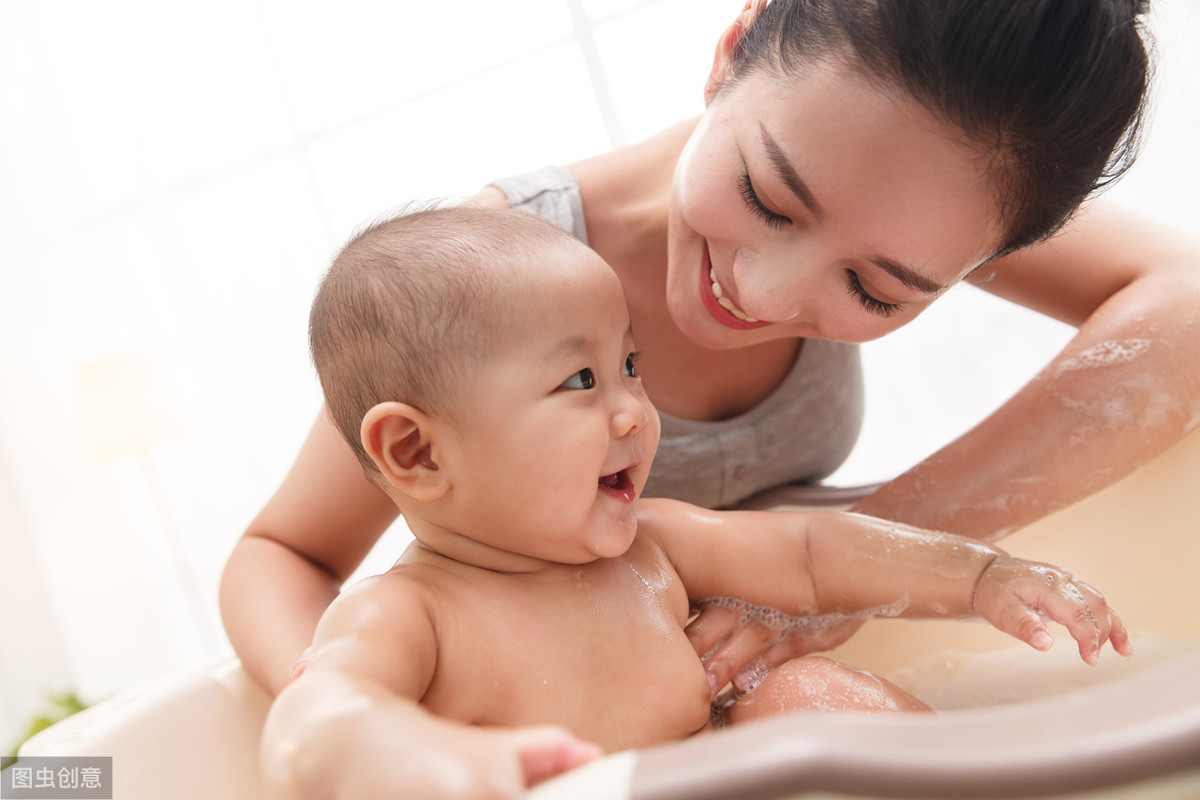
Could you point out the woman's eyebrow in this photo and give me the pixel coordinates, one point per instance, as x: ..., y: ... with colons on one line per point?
x: 908, y: 276
x: 787, y: 173
x: 791, y: 178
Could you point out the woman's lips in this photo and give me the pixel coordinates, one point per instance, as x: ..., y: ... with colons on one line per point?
x: 712, y: 303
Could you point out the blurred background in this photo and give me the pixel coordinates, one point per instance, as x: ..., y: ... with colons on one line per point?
x: 173, y: 180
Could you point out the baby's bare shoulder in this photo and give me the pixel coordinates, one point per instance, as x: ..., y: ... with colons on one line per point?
x: 661, y: 519
x: 380, y: 629
x: 656, y: 513
x: 400, y: 593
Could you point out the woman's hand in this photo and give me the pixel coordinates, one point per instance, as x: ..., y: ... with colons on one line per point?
x: 740, y: 643
x: 1017, y: 596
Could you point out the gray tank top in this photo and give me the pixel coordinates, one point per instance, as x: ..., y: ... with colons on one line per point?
x: 801, y: 433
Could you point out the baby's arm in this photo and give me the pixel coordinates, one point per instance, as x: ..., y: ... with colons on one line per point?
x: 807, y: 563
x: 351, y: 726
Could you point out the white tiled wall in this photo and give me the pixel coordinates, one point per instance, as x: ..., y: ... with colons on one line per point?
x: 173, y: 178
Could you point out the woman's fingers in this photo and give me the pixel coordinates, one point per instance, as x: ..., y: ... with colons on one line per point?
x: 711, y: 626
x: 740, y: 643
x: 818, y: 635
x: 743, y: 646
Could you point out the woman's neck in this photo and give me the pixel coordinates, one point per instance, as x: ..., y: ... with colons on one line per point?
x: 626, y: 197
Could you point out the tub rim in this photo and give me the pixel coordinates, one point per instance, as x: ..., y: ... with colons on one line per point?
x: 1101, y: 736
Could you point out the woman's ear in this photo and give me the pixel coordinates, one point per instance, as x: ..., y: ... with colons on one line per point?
x: 399, y: 439
x: 727, y: 44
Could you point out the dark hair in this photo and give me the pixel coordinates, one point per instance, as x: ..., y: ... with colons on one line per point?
x: 1054, y: 89
x: 415, y: 302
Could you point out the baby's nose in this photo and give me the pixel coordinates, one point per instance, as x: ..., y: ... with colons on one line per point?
x: 629, y: 415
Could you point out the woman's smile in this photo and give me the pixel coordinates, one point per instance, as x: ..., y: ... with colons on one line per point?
x: 717, y: 301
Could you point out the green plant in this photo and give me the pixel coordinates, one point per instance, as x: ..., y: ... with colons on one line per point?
x: 59, y: 707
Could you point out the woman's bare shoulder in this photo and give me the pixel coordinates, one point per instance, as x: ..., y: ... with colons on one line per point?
x: 487, y: 197
x: 649, y: 159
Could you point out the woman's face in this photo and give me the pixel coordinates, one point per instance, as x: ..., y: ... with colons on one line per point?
x: 821, y: 207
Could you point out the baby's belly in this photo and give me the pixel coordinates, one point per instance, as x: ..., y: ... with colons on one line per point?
x: 614, y: 692
x: 641, y: 697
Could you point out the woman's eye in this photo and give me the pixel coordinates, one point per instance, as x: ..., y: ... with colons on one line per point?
x: 872, y: 304
x: 631, y: 364
x: 746, y: 188
x: 584, y: 379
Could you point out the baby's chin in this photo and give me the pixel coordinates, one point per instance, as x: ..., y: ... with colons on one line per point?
x: 617, y: 545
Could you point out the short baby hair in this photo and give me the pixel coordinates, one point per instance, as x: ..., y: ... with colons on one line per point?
x: 413, y: 304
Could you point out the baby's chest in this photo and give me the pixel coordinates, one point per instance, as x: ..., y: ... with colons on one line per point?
x: 610, y: 662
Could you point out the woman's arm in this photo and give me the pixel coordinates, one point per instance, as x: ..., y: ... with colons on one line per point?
x: 294, y: 556
x: 1124, y: 389
x: 306, y: 541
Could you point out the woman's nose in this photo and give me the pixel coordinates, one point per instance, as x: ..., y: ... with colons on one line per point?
x: 773, y: 287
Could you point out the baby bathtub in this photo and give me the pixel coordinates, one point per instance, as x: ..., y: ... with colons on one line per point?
x: 1014, y: 722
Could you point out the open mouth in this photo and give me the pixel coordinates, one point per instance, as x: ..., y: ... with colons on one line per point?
x: 618, y: 484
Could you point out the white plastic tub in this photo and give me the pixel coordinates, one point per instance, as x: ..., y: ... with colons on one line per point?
x: 1014, y: 722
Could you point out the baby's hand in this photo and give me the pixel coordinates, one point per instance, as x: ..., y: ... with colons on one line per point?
x: 1017, y: 596
x: 547, y: 751
x: 385, y: 750
x: 477, y: 763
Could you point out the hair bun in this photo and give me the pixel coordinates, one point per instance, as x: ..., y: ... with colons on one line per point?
x: 1137, y: 8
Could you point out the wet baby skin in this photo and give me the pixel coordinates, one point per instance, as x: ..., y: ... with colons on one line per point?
x: 598, y: 647
x: 539, y: 616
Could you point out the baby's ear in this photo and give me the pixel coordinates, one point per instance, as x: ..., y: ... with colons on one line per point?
x: 399, y: 439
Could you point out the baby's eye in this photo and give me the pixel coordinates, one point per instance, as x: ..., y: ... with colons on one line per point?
x: 584, y: 379
x: 631, y: 364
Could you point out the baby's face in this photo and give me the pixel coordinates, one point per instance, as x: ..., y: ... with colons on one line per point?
x: 556, y: 442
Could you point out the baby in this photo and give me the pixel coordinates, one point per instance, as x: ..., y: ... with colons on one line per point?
x: 481, y: 365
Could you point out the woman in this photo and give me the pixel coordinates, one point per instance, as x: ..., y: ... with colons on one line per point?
x: 856, y: 159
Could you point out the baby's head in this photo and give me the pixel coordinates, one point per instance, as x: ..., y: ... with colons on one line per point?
x: 479, y: 362
x: 413, y: 305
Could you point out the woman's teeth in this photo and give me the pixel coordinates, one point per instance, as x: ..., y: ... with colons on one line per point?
x: 725, y: 302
